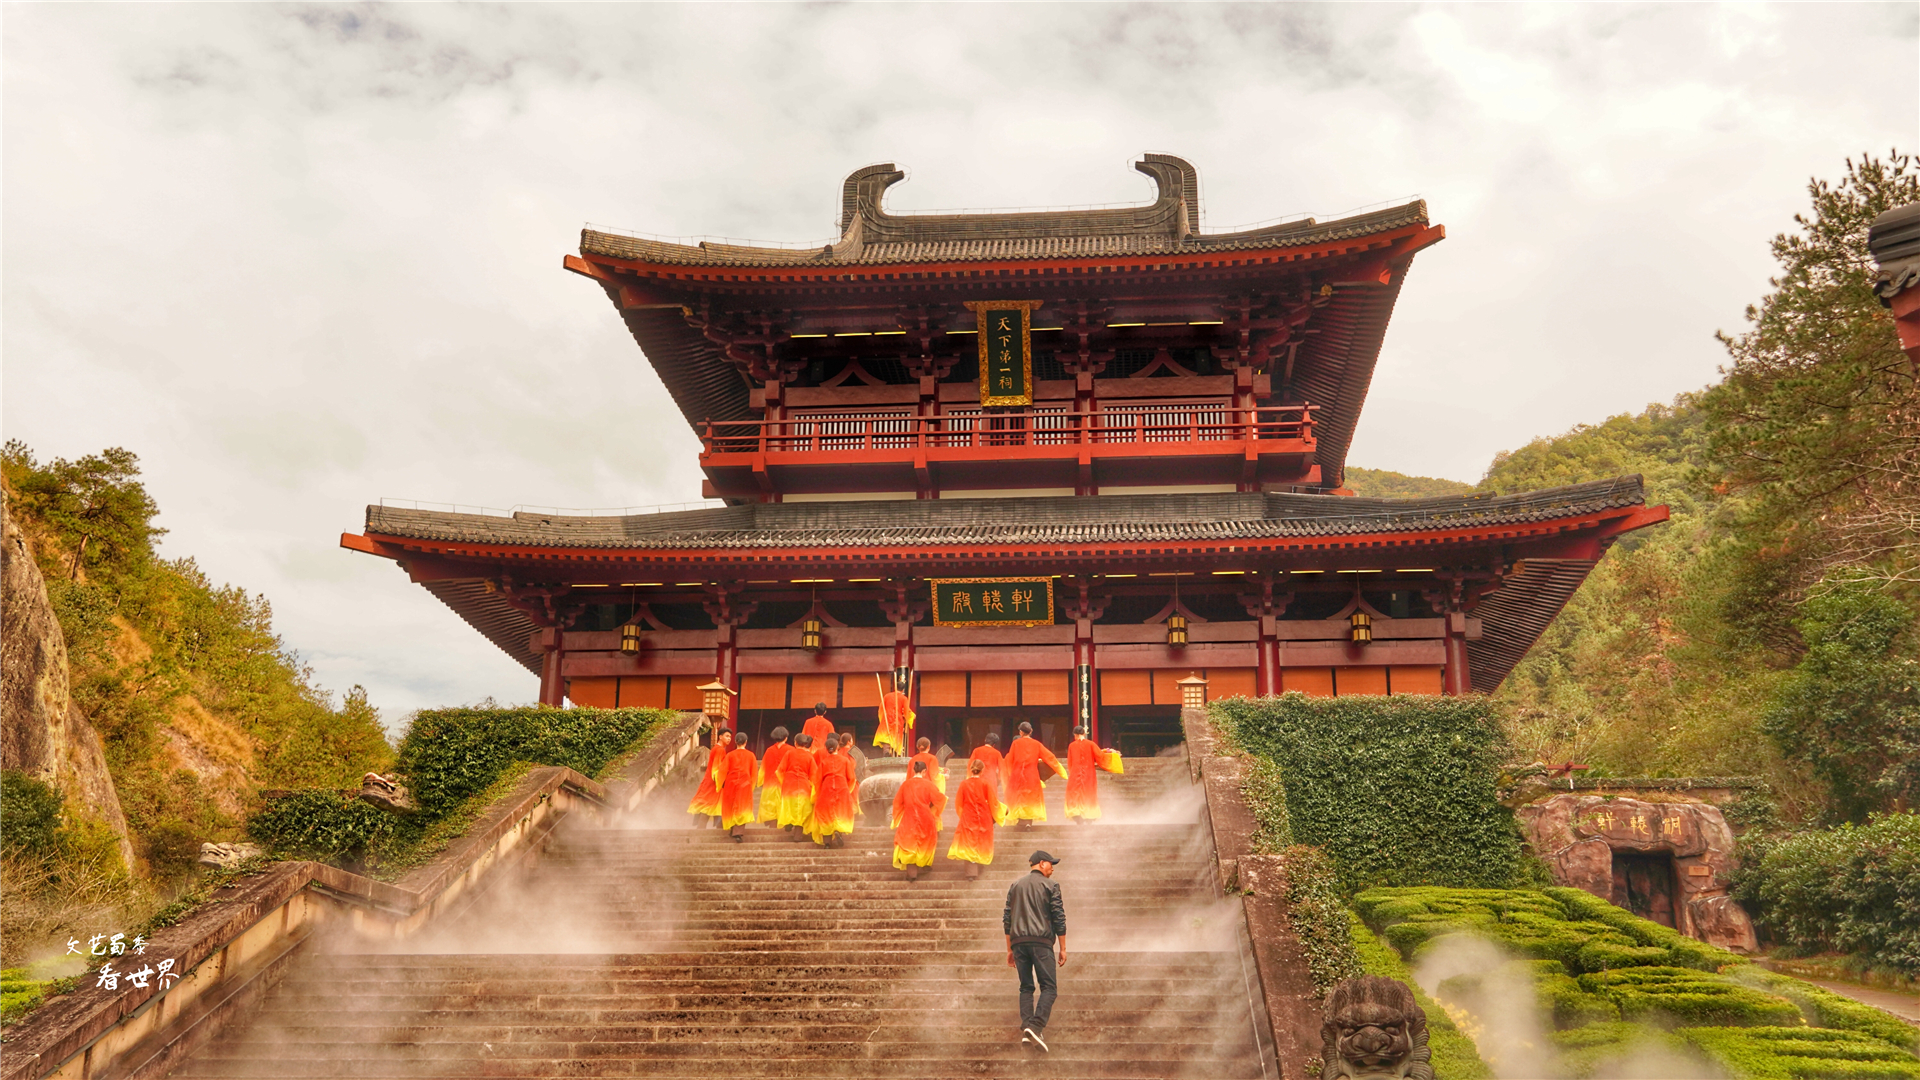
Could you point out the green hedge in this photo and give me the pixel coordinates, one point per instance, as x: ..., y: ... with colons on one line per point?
x: 449, y: 754
x: 1824, y: 1008
x: 1672, y: 997
x: 1800, y: 1053
x: 1581, y: 932
x: 1620, y: 988
x: 456, y: 762
x: 1396, y: 790
x: 1853, y: 889
x: 1454, y: 1055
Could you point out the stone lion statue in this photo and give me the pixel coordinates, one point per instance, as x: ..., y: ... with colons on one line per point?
x: 1374, y: 1030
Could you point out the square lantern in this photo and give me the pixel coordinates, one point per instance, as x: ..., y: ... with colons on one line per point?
x: 717, y: 701
x: 1193, y: 692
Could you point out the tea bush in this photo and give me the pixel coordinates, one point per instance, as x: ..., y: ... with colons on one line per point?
x: 1620, y: 988
x: 1852, y: 889
x: 1801, y: 1053
x: 1454, y: 1054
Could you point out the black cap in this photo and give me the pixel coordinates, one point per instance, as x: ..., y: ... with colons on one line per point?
x: 1040, y: 857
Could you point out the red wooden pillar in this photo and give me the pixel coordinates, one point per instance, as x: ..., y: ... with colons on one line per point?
x: 1456, y: 679
x: 553, y: 686
x: 1266, y: 673
x: 725, y: 671
x: 903, y: 679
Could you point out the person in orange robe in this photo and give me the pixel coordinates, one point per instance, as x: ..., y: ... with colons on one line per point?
x: 706, y: 798
x: 980, y: 811
x: 988, y: 754
x: 934, y: 769
x: 916, y: 821
x: 770, y: 776
x: 818, y: 727
x: 1026, y: 790
x: 799, y: 771
x: 737, y: 781
x: 833, y: 805
x: 896, y: 723
x: 1084, y: 760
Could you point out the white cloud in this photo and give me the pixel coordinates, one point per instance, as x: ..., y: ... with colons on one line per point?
x: 300, y: 258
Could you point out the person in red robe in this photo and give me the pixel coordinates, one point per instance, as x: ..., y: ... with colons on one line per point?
x: 770, y: 776
x: 896, y: 723
x: 740, y: 771
x: 1084, y: 763
x: 1026, y: 790
x: 705, y: 804
x: 818, y: 727
x: 979, y: 809
x: 934, y: 769
x: 916, y: 821
x: 833, y: 805
x: 988, y: 754
x: 798, y: 772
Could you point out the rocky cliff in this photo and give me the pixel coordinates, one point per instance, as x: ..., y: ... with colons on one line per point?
x: 41, y: 732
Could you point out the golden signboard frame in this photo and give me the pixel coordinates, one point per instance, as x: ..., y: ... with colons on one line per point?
x: 933, y: 594
x: 981, y: 336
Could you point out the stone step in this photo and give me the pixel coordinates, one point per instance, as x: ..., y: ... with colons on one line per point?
x: 776, y: 957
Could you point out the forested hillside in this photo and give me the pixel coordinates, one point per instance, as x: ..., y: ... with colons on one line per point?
x: 198, y: 702
x: 1769, y: 628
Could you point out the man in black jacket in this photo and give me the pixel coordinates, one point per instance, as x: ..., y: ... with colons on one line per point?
x: 1033, y: 920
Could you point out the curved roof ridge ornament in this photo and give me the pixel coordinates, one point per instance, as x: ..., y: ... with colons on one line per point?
x: 1174, y: 212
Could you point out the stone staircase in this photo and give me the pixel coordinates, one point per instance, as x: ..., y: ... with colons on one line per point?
x: 667, y: 951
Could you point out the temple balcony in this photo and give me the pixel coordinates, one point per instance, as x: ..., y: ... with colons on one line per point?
x: 1043, y: 449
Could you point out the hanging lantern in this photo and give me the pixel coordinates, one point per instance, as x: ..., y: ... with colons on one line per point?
x: 810, y: 635
x: 1176, y: 631
x: 1362, y: 627
x: 629, y: 639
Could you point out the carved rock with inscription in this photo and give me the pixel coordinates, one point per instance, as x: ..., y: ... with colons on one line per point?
x: 1579, y: 835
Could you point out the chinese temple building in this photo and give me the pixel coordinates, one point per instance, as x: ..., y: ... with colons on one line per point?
x: 1022, y: 466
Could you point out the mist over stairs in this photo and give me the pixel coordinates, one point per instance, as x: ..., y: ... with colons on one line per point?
x: 643, y: 947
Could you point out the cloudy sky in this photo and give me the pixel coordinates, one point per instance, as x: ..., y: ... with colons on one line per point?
x: 300, y: 258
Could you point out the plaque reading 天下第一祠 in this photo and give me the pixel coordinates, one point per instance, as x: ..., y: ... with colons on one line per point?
x: 992, y: 601
x: 1006, y: 350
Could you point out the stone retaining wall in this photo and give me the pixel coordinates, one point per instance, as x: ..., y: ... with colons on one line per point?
x: 1260, y: 883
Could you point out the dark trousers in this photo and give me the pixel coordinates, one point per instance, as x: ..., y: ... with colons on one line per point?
x: 1034, y: 959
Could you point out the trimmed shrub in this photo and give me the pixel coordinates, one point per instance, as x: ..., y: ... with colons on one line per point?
x: 1396, y: 790
x: 1675, y: 996
x: 1824, y: 1008
x: 1681, y: 950
x: 1852, y: 889
x: 455, y: 762
x: 1454, y: 1055
x: 449, y: 754
x: 1800, y: 1053
x: 1580, y: 931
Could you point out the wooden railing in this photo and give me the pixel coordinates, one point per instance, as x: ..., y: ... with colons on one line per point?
x: 975, y: 427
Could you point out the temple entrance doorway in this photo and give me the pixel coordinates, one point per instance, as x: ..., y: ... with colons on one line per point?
x: 1140, y: 730
x: 1643, y: 883
x: 963, y: 729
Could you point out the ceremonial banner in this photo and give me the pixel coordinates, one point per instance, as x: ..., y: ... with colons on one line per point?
x: 1006, y: 350
x: 992, y: 601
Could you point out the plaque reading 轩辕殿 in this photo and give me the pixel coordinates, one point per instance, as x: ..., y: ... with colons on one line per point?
x: 992, y: 601
x: 1006, y: 350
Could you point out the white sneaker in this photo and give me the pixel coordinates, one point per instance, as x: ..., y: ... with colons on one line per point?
x: 1034, y: 1038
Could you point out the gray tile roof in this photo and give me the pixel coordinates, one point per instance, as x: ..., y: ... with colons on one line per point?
x: 1068, y: 520
x: 869, y: 235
